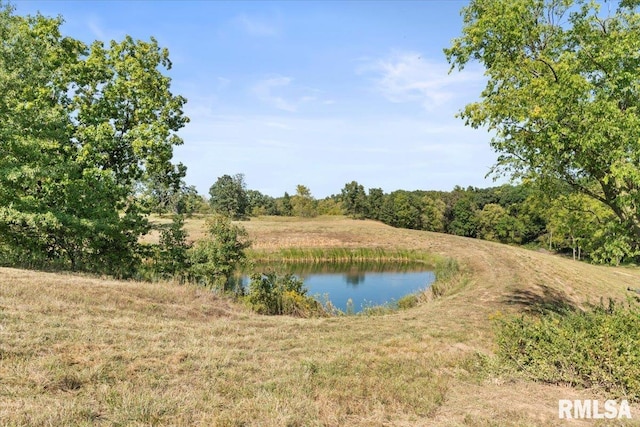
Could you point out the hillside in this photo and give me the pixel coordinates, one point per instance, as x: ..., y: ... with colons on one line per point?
x: 77, y: 350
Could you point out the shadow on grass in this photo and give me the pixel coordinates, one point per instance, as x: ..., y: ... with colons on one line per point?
x: 543, y: 300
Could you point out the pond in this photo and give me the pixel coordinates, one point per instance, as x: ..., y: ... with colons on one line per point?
x: 366, y: 285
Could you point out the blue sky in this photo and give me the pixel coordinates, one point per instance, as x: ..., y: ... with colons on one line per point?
x: 314, y: 93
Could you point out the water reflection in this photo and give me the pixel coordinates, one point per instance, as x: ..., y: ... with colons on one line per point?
x: 354, y: 279
x: 365, y: 284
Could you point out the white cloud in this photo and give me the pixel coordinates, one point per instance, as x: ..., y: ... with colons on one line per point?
x: 98, y: 30
x: 265, y: 89
x: 411, y: 77
x: 257, y: 27
x: 281, y: 93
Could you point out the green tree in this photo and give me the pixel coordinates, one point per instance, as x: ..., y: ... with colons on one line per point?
x: 562, y: 95
x: 82, y: 128
x: 532, y: 214
x: 260, y: 204
x: 402, y: 209
x: 376, y: 202
x: 329, y: 206
x: 188, y: 202
x: 172, y: 252
x: 285, y: 207
x: 495, y: 223
x: 588, y: 228
x: 229, y: 196
x: 214, y: 260
x: 303, y: 203
x: 463, y: 220
x: 354, y: 200
x: 433, y: 211
x: 176, y: 199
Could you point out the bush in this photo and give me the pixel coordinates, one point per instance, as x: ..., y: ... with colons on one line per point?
x: 171, y: 254
x: 597, y: 348
x: 281, y: 295
x: 214, y: 260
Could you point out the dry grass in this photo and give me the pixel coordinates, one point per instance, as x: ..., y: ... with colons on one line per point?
x: 82, y: 351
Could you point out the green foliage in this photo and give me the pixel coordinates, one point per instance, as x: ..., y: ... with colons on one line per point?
x: 329, y: 206
x: 433, y: 214
x: 229, y: 196
x: 171, y: 260
x: 163, y: 192
x: 281, y: 295
x: 402, y: 209
x: 463, y: 217
x: 303, y: 204
x: 285, y: 206
x: 106, y: 122
x: 611, y: 244
x: 562, y: 96
x: 495, y: 223
x: 376, y: 201
x: 214, y: 260
x: 354, y: 200
x: 595, y: 348
x: 175, y: 198
x: 260, y: 204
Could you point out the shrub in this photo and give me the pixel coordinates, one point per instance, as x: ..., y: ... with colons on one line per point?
x: 213, y: 260
x: 171, y: 254
x: 597, y: 348
x: 277, y: 295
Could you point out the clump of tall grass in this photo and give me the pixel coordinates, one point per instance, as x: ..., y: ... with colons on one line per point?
x: 447, y: 272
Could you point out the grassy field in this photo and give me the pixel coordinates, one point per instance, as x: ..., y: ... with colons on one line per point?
x: 78, y: 350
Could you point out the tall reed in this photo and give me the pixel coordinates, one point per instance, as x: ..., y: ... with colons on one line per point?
x: 342, y: 255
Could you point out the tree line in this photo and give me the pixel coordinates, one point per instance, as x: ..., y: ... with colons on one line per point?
x: 561, y: 221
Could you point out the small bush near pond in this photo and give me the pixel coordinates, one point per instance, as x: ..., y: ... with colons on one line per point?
x: 281, y: 295
x: 597, y: 348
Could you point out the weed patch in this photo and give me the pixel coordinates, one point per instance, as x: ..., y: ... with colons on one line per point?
x: 448, y: 275
x: 598, y: 348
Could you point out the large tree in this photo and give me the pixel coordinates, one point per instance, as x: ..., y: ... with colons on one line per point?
x: 354, y: 200
x: 229, y: 196
x: 82, y: 126
x: 303, y: 203
x: 563, y: 93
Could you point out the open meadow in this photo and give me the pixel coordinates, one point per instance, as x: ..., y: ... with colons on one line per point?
x: 80, y: 350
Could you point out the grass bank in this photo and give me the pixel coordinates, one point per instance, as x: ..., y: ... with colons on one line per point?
x: 82, y: 351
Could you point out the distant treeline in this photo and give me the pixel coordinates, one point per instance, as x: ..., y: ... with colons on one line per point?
x: 557, y: 220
